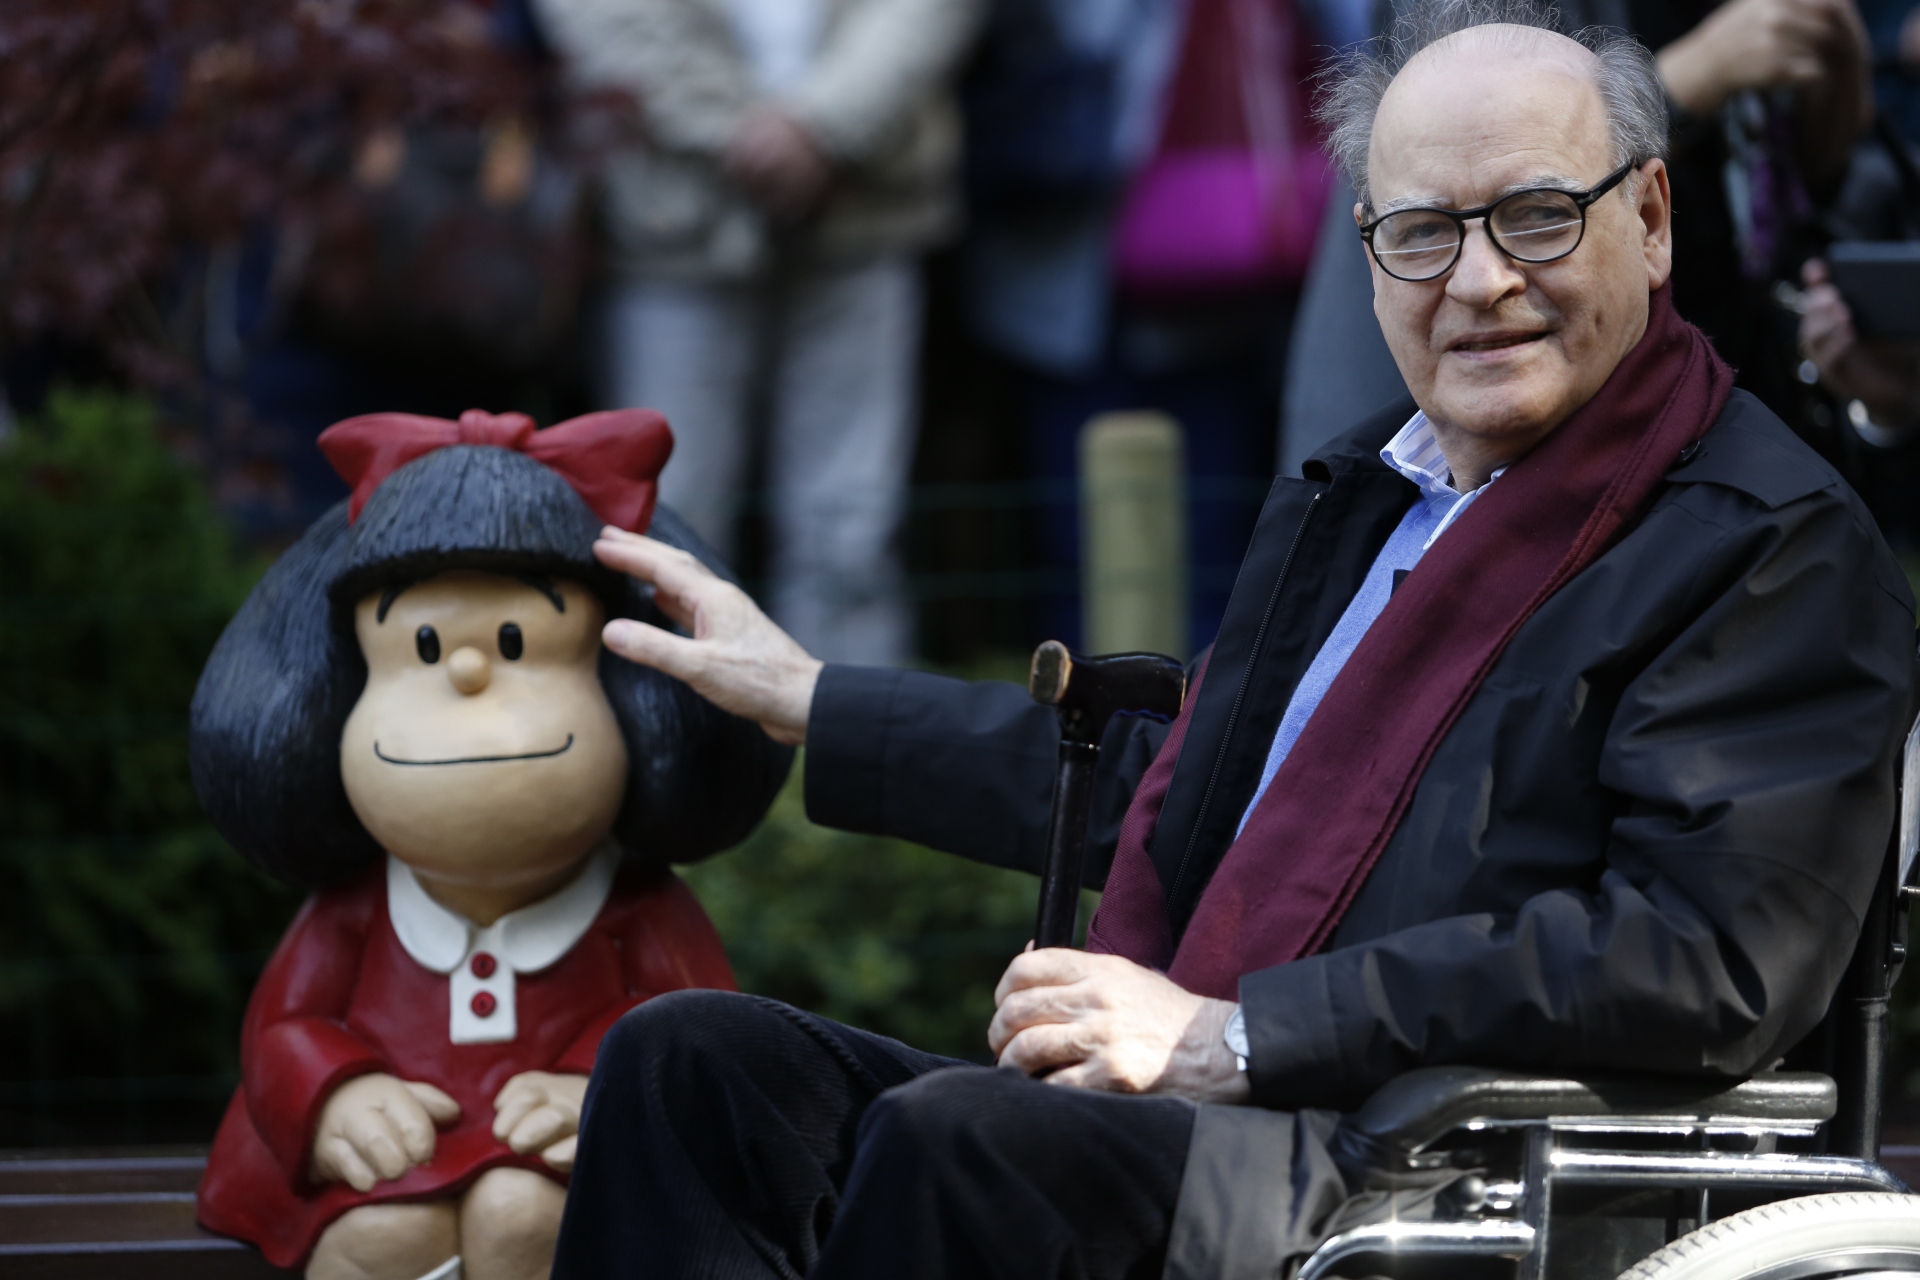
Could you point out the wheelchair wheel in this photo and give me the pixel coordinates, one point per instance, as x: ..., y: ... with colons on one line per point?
x: 1852, y: 1233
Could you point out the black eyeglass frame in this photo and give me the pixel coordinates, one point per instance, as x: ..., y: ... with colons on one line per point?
x: 1461, y: 217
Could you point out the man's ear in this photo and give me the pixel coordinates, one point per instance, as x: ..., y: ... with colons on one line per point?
x: 1359, y: 213
x: 1655, y: 214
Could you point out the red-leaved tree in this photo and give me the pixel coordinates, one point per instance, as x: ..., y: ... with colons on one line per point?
x: 138, y: 137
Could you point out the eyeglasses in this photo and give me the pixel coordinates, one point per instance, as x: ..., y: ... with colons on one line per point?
x: 1541, y: 224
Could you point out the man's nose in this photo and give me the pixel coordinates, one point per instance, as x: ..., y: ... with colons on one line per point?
x: 469, y: 669
x: 1483, y: 275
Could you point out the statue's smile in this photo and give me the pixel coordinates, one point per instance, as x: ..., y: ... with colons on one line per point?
x: 531, y: 755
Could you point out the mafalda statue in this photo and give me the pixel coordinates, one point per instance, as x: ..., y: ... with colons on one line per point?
x: 413, y: 716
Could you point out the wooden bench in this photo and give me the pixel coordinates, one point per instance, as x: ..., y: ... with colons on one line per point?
x: 113, y: 1215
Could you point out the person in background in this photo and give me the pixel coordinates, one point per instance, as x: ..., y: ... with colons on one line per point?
x: 1893, y: 30
x: 1765, y: 98
x: 1082, y: 115
x: 1882, y: 378
x: 1879, y: 383
x: 795, y: 157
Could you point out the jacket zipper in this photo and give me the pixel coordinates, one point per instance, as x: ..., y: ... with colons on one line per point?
x: 1240, y: 697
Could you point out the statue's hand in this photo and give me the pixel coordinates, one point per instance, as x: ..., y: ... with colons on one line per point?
x: 375, y: 1127
x: 737, y: 658
x: 540, y: 1111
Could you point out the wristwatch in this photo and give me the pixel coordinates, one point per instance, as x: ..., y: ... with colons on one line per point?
x: 1236, y: 1037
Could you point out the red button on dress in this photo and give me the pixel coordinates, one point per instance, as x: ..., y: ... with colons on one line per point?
x: 483, y: 965
x: 484, y: 1004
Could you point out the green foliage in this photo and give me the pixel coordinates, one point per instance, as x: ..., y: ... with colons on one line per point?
x: 129, y: 932
x: 116, y: 574
x: 875, y: 933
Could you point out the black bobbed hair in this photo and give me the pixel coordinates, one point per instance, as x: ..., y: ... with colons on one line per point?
x: 265, y: 726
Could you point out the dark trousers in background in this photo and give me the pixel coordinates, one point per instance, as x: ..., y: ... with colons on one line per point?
x: 729, y: 1136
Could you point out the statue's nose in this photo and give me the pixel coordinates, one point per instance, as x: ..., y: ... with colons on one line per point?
x: 469, y: 669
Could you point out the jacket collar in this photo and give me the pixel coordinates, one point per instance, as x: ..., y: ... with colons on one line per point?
x: 1358, y: 449
x: 1750, y: 449
x: 530, y: 939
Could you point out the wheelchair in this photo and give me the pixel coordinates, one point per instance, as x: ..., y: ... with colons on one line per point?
x: 1771, y: 1178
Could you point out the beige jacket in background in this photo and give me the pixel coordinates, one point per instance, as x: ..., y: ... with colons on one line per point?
x: 877, y: 100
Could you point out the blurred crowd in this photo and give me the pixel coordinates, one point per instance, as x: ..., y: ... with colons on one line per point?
x: 726, y: 210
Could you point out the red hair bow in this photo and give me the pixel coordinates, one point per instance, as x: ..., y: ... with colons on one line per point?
x: 611, y: 459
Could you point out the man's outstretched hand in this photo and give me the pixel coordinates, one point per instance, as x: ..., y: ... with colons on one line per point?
x: 737, y: 658
x: 1103, y: 1022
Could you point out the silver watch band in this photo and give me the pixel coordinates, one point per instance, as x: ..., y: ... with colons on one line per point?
x: 1236, y: 1037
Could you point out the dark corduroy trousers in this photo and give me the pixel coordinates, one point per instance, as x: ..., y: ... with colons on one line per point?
x: 732, y: 1136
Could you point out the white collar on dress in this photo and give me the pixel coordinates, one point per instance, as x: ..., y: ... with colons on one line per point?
x: 528, y: 940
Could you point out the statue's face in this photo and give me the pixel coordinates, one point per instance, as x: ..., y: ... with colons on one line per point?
x: 483, y: 751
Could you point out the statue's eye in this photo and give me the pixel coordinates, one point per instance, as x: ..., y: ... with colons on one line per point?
x: 427, y: 641
x: 512, y: 643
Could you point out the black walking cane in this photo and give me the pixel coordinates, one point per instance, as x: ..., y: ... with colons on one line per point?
x: 1087, y: 692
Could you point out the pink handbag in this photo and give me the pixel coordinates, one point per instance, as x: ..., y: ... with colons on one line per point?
x: 1233, y: 193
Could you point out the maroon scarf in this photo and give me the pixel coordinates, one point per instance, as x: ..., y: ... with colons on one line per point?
x: 1283, y: 886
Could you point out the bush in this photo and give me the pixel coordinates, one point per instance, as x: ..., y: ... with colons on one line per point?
x: 129, y: 932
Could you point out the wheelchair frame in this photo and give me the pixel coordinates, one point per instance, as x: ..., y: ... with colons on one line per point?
x: 1776, y: 1135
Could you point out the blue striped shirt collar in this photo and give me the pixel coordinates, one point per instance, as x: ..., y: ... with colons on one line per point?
x: 1415, y: 453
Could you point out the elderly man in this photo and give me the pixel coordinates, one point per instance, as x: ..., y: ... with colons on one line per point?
x: 1550, y: 728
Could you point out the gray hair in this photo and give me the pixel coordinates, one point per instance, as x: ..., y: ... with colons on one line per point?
x: 1351, y: 89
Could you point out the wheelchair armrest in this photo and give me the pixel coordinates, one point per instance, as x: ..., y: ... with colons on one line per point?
x: 1413, y: 1111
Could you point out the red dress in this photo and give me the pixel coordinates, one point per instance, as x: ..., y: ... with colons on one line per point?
x: 342, y: 997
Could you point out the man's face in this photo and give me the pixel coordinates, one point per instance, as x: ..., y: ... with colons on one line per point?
x: 1498, y: 350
